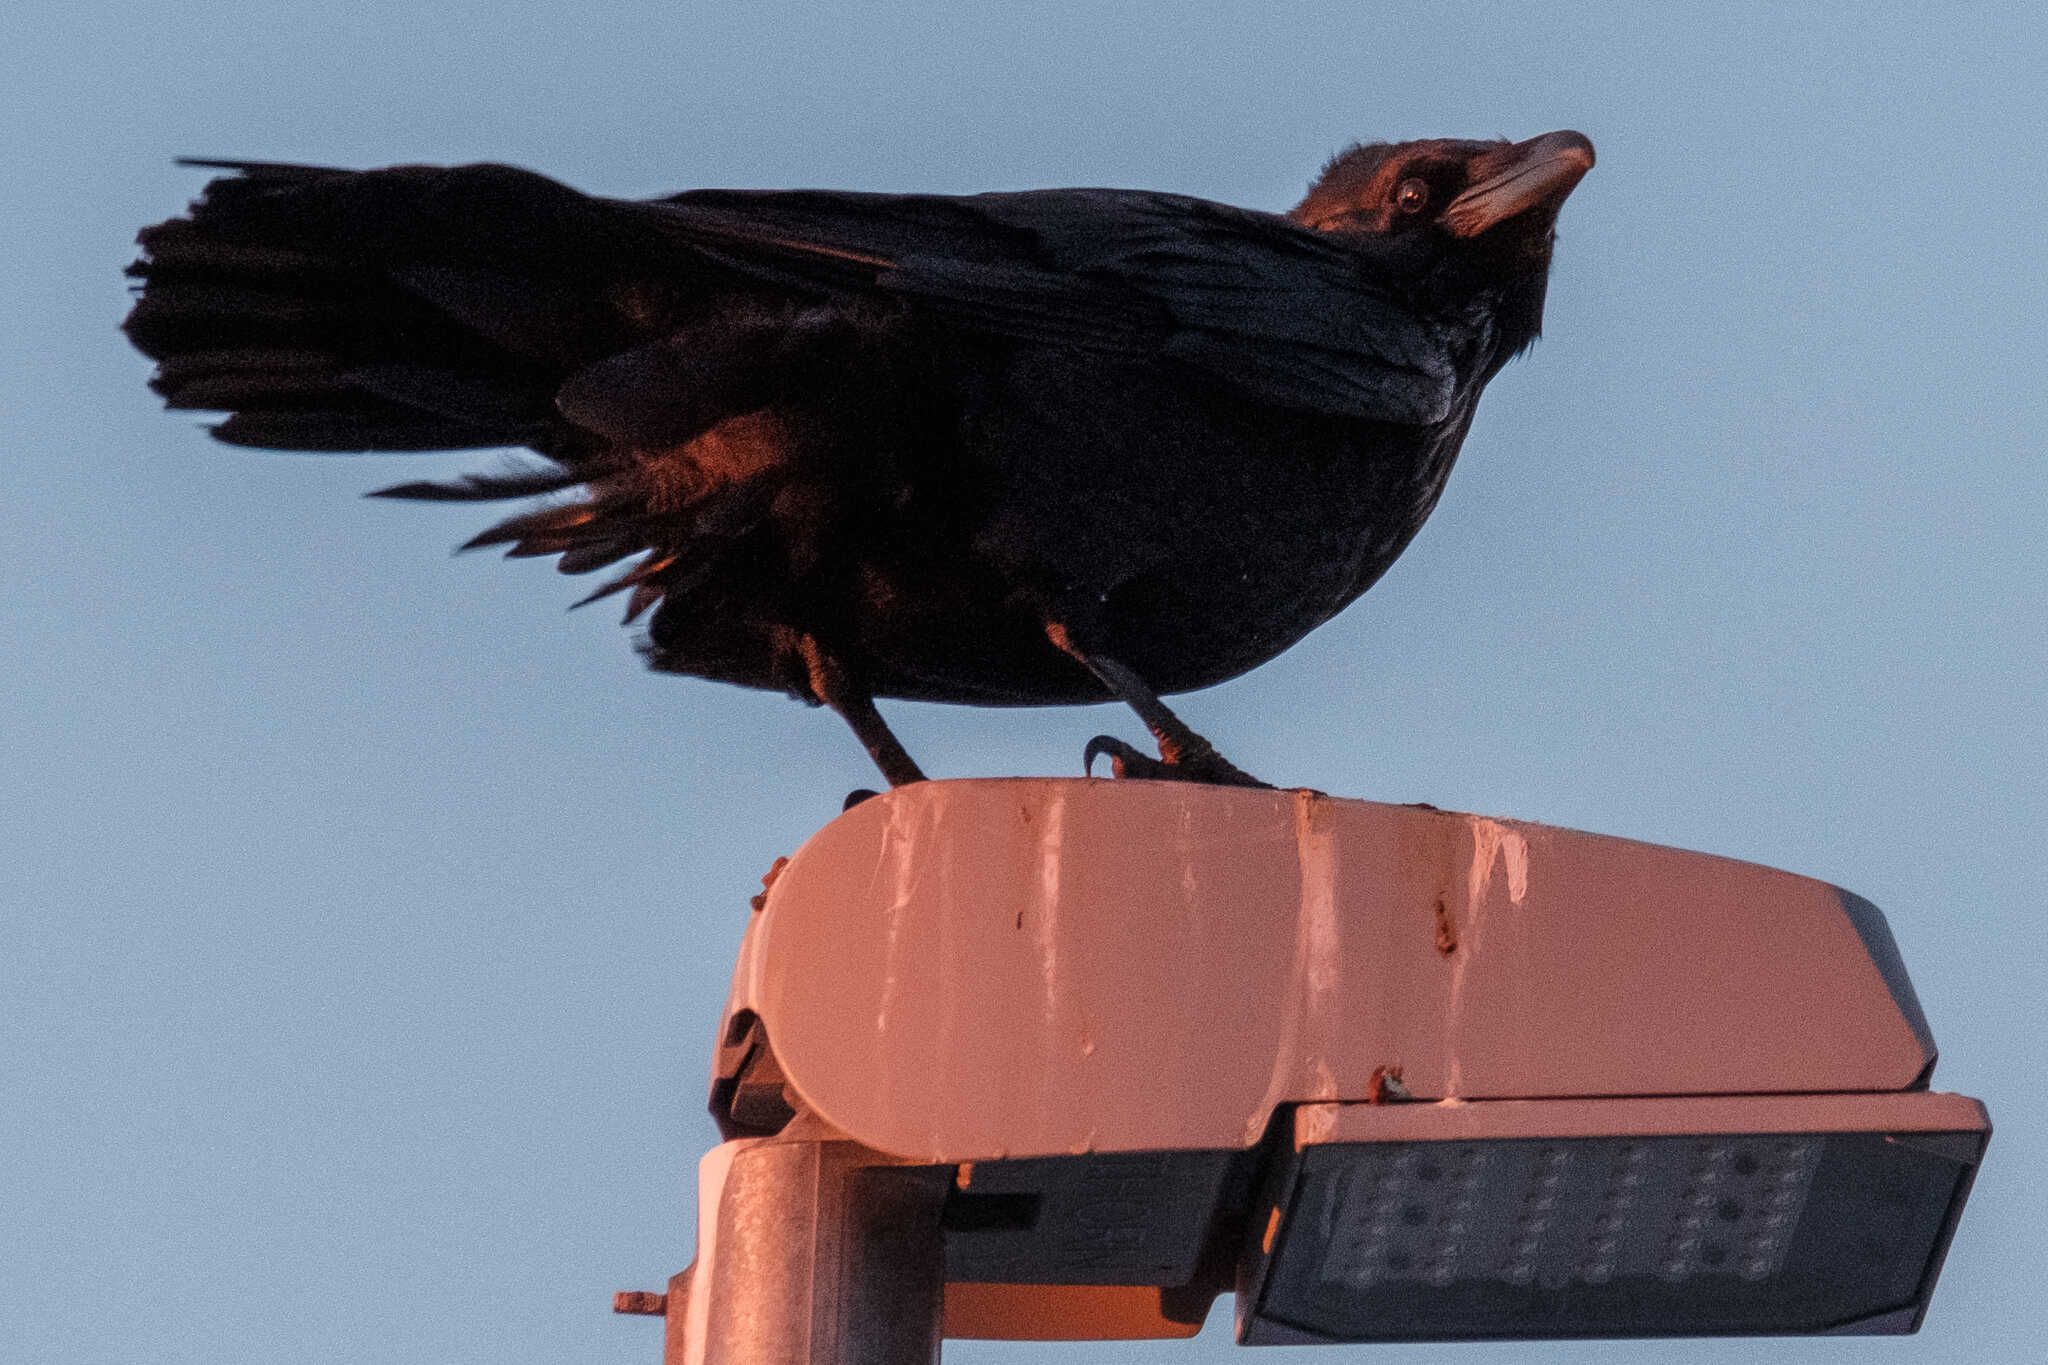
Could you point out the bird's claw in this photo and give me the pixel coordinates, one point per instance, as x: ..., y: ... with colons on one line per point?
x: 1202, y: 765
x: 1124, y: 761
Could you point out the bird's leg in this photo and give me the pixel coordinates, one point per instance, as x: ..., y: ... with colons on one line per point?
x: 1184, y: 756
x: 833, y: 685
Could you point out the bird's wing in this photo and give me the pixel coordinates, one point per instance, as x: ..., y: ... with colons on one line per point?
x: 1275, y: 310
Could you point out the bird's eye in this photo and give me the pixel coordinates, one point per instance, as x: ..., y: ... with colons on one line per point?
x: 1412, y: 196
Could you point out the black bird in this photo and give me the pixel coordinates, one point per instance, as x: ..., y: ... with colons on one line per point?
x: 1061, y: 446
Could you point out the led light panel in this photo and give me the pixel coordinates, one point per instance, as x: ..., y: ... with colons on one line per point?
x: 1552, y: 1213
x: 1740, y: 1233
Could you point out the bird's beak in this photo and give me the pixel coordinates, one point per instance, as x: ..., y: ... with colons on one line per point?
x: 1517, y: 178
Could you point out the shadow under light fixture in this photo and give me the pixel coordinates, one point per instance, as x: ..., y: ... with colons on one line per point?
x: 1390, y: 1073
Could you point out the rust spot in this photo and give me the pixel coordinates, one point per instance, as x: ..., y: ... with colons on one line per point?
x: 1272, y: 1232
x: 1446, y: 931
x: 1385, y: 1087
x: 1308, y: 803
x: 963, y: 1179
x: 759, y: 900
x: 644, y: 1302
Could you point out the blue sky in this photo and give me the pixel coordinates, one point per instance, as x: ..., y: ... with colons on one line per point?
x: 365, y: 916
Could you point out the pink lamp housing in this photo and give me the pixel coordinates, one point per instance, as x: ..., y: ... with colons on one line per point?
x: 1392, y: 1073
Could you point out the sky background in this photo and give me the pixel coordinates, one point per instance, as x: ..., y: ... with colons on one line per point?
x: 365, y: 917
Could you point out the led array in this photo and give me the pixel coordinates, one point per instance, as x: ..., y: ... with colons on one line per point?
x: 1569, y: 1211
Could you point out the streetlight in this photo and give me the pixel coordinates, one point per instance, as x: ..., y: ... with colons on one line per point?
x: 1067, y: 1059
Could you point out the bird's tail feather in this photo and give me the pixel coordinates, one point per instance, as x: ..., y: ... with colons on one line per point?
x: 429, y: 308
x: 414, y: 308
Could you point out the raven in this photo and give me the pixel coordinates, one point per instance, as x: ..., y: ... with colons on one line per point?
x: 1059, y: 446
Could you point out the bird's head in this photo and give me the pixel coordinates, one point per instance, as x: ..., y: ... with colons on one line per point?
x: 1459, y: 216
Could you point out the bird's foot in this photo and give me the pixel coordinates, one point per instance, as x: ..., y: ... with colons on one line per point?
x: 1198, y: 762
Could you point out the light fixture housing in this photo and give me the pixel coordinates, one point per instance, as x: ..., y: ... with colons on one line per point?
x: 1170, y: 1039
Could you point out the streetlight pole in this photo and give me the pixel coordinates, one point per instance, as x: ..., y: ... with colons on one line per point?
x: 813, y: 1249
x: 826, y: 1253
